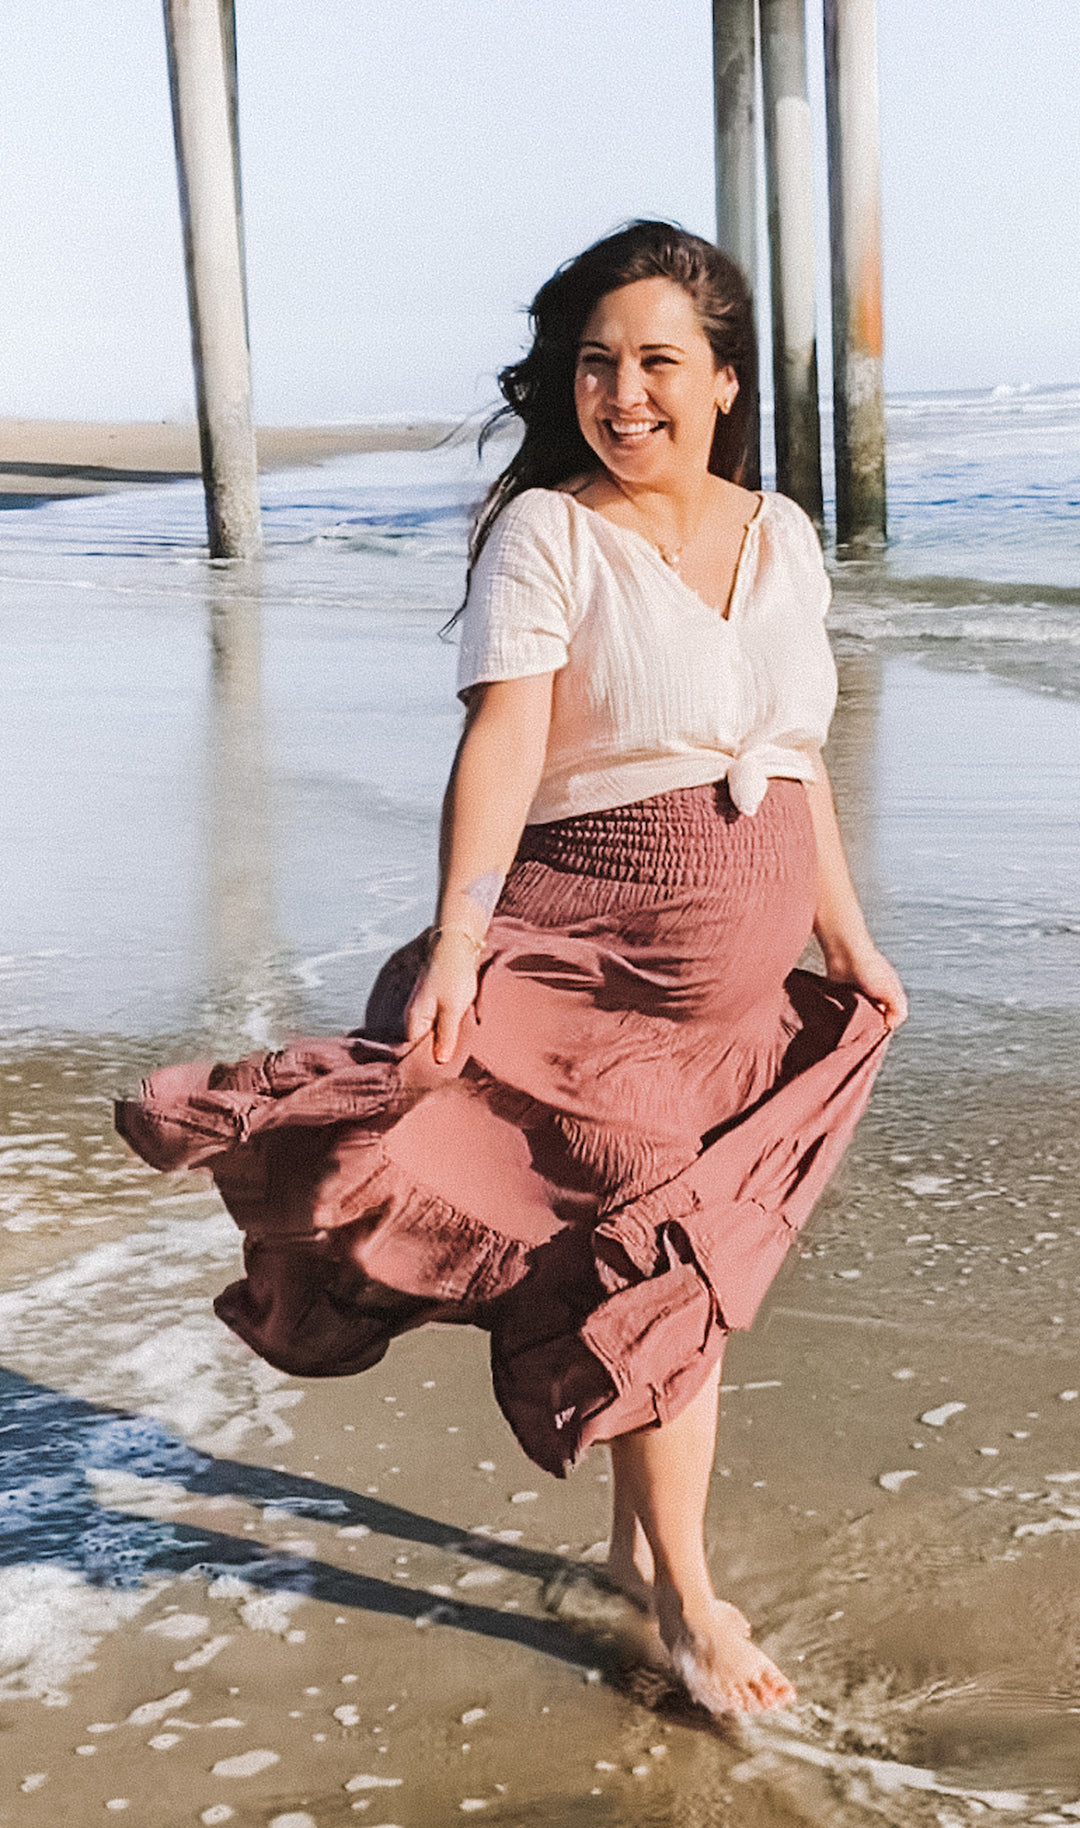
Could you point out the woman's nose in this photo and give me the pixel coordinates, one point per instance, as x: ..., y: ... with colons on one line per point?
x: 627, y: 384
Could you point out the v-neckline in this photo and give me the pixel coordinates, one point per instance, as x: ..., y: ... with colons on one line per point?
x: 642, y: 539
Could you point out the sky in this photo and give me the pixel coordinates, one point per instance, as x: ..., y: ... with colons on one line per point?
x: 413, y: 171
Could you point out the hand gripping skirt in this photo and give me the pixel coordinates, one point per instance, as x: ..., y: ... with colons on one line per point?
x: 645, y: 1102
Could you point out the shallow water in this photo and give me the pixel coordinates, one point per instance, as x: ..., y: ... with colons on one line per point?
x: 221, y: 792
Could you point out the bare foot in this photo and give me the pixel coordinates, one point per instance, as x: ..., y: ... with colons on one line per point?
x: 720, y: 1666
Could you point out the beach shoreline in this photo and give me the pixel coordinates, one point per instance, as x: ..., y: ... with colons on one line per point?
x: 49, y: 459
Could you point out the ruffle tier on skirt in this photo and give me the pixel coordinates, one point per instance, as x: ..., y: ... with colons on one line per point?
x: 645, y: 1102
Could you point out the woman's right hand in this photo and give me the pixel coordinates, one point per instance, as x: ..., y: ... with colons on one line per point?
x: 444, y: 992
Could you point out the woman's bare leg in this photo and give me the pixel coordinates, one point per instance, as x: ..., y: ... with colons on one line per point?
x: 630, y: 1559
x: 662, y: 1479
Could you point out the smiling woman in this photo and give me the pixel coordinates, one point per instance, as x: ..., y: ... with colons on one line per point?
x: 646, y: 383
x: 592, y: 1106
x: 649, y: 396
x: 705, y: 306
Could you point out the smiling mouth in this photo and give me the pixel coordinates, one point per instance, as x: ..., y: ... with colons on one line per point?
x: 633, y: 431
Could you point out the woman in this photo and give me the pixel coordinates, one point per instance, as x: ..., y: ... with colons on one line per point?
x: 591, y: 1108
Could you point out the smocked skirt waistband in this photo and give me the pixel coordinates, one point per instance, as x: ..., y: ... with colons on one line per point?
x: 693, y: 837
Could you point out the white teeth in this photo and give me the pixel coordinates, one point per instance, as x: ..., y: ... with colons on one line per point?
x: 634, y: 429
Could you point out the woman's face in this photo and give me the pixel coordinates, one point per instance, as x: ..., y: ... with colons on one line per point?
x: 646, y: 388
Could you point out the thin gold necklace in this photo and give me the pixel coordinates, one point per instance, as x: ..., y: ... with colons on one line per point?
x: 671, y: 555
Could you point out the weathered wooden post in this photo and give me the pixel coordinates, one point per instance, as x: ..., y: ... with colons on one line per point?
x: 227, y: 9
x: 736, y: 170
x: 790, y: 181
x: 206, y: 170
x: 851, y: 95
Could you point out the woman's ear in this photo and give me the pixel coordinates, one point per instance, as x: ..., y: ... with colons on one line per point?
x: 727, y: 388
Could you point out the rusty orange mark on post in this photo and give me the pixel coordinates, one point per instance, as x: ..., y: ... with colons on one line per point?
x: 867, y: 316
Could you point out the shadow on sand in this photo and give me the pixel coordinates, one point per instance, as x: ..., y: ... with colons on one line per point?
x: 51, y: 1443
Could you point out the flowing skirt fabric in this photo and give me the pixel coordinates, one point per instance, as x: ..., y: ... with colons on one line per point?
x: 645, y: 1102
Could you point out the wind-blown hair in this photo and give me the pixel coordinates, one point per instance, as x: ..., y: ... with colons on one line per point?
x: 539, y: 390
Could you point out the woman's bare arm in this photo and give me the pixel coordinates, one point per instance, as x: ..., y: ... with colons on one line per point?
x: 850, y: 954
x: 493, y: 781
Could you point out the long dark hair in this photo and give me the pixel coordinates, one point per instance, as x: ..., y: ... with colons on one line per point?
x: 539, y: 390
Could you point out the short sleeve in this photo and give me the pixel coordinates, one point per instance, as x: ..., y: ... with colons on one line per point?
x: 815, y: 580
x: 516, y: 620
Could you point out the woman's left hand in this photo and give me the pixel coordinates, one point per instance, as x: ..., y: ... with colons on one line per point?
x: 879, y: 981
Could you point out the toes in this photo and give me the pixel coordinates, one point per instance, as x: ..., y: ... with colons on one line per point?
x: 774, y: 1690
x: 767, y: 1688
x: 725, y: 1672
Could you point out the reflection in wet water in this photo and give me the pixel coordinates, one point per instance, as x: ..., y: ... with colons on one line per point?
x: 852, y: 759
x: 247, y: 1000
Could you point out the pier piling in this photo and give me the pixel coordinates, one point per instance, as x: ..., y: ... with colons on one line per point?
x: 200, y: 48
x: 851, y: 92
x: 790, y: 186
x: 736, y: 162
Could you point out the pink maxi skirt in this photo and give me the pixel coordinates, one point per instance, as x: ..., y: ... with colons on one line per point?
x: 645, y: 1102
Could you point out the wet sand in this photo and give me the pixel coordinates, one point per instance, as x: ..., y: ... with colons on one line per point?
x: 227, y: 1595
x: 346, y: 1574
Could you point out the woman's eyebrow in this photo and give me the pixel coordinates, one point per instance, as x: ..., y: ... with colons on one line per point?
x: 646, y: 348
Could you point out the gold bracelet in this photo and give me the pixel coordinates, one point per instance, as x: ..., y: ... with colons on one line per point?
x: 437, y: 932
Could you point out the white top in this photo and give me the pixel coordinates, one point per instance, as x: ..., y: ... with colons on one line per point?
x: 654, y: 689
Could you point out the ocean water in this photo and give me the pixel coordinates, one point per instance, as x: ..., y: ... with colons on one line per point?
x: 174, y: 734
x: 220, y: 806
x: 982, y: 571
